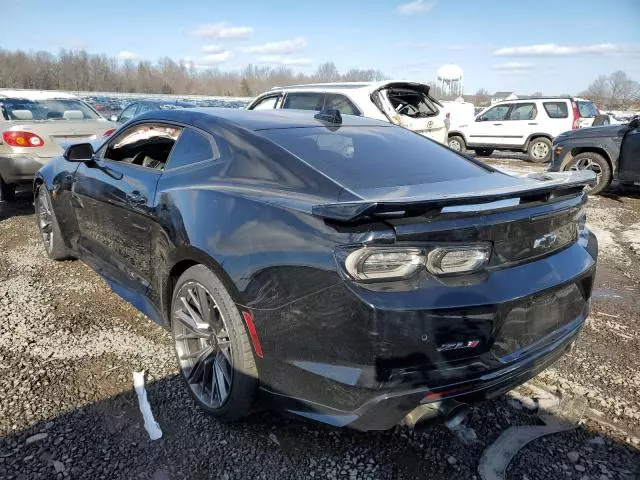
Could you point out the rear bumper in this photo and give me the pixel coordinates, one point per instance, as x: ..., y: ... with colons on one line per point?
x: 18, y: 168
x: 354, y: 357
x: 388, y: 409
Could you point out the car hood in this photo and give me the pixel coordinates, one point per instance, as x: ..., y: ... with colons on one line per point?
x: 593, y: 132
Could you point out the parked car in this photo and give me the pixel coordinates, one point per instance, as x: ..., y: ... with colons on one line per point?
x: 406, y: 104
x: 527, y: 125
x: 611, y: 152
x: 36, y: 126
x: 138, y: 108
x: 289, y: 255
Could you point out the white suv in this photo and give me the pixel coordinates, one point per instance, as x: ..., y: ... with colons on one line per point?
x: 406, y: 104
x: 525, y: 125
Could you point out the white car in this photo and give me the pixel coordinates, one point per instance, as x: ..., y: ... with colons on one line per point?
x: 406, y: 104
x: 525, y: 125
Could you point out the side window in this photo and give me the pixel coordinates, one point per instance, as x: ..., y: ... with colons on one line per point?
x: 304, y: 101
x: 523, y: 111
x: 496, y: 113
x: 144, y: 109
x: 128, y: 113
x: 556, y: 109
x: 267, y: 103
x: 587, y: 109
x: 341, y: 103
x: 145, y: 144
x: 192, y: 147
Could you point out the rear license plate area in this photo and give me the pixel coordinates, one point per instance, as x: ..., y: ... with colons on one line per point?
x: 531, y: 319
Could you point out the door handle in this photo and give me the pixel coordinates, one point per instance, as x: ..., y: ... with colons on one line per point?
x: 136, y: 198
x: 497, y: 124
x: 532, y: 123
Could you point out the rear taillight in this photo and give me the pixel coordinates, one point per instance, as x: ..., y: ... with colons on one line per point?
x: 576, y: 116
x: 109, y: 132
x: 22, y: 139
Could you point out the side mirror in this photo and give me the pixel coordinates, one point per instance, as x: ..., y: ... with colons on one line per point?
x: 634, y: 123
x: 113, y: 118
x: 80, y: 152
x: 479, y: 118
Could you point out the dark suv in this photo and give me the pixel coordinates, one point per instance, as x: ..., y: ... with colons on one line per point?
x: 612, y: 152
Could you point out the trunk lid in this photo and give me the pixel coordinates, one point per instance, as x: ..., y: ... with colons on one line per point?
x: 58, y: 134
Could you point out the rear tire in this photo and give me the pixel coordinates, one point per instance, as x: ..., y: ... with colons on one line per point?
x: 7, y: 191
x: 539, y: 150
x: 597, y: 164
x: 48, y: 226
x: 457, y: 143
x: 484, y: 152
x: 214, y: 352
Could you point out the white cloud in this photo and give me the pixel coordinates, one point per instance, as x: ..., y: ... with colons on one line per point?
x: 417, y: 6
x: 127, y: 55
x: 554, y: 50
x: 212, y: 48
x: 216, y: 58
x: 285, y: 46
x: 284, y: 60
x: 222, y: 31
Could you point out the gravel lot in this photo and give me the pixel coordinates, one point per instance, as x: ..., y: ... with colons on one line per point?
x: 68, y: 347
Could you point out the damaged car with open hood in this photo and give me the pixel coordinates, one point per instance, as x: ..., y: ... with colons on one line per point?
x: 340, y: 268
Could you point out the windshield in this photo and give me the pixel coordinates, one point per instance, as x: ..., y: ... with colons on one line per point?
x: 375, y: 156
x: 51, y: 109
x: 587, y: 109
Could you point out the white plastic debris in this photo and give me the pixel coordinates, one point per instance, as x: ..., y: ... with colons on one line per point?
x: 150, y: 424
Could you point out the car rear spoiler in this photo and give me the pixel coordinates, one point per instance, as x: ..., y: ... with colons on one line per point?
x: 548, y: 185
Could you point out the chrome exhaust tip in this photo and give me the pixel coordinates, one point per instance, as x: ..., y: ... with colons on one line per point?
x: 452, y: 412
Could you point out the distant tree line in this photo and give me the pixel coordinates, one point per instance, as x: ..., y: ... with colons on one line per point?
x: 78, y: 70
x: 615, y: 91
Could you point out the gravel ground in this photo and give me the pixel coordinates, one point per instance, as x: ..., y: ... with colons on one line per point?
x: 68, y: 347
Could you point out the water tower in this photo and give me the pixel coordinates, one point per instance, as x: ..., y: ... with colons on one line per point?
x: 450, y: 80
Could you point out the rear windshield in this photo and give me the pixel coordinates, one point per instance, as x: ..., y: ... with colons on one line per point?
x: 587, y: 109
x: 411, y: 103
x: 374, y: 156
x: 53, y: 109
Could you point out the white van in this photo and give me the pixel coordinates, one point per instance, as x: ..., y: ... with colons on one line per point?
x: 406, y: 104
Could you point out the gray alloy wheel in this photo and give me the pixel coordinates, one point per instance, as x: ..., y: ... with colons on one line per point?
x: 203, y: 344
x: 456, y: 143
x: 597, y: 164
x: 45, y: 219
x: 48, y: 226
x: 539, y: 150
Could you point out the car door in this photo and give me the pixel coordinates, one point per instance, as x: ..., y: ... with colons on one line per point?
x: 113, y: 198
x: 520, y: 123
x: 488, y: 127
x: 629, y: 161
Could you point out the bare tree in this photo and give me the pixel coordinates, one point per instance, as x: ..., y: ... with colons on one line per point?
x: 77, y: 70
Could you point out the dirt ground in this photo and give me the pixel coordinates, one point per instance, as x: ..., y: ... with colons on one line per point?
x: 68, y: 347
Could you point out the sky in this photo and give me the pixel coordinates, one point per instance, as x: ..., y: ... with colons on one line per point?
x: 548, y: 46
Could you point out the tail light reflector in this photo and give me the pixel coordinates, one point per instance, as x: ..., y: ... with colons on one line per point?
x: 576, y: 116
x: 22, y: 139
x: 108, y: 132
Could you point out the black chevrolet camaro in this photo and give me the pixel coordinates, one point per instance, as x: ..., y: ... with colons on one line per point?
x: 343, y: 269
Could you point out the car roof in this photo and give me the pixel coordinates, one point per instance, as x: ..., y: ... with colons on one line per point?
x: 160, y: 102
x: 34, y: 94
x: 368, y: 87
x: 253, y: 119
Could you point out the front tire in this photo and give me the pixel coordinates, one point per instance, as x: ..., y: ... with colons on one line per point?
x: 456, y: 143
x: 7, y: 191
x: 213, y: 349
x: 539, y: 150
x: 48, y: 226
x: 597, y: 164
